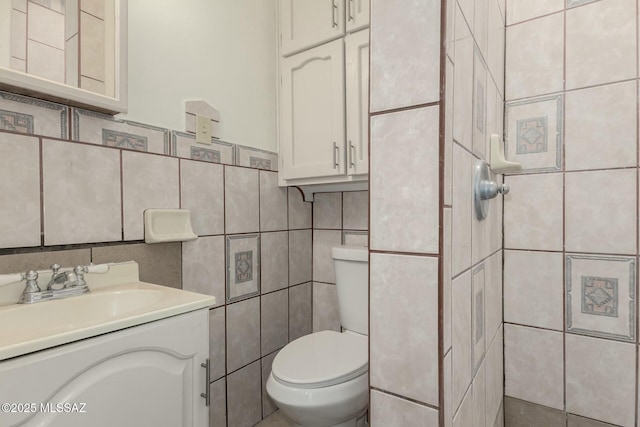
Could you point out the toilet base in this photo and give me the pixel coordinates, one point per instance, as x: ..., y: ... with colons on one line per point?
x: 359, y: 421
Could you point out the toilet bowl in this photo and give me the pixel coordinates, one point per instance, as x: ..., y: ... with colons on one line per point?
x: 321, y: 380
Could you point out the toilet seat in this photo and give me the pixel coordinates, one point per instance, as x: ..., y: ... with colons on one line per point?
x: 321, y: 359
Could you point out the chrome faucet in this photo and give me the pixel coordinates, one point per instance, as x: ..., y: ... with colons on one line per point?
x: 63, y: 284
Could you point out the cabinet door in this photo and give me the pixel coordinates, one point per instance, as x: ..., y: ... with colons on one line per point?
x: 308, y: 23
x: 357, y: 15
x: 357, y: 59
x: 312, y: 113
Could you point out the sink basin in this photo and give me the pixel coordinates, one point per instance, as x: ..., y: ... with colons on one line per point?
x: 33, y: 327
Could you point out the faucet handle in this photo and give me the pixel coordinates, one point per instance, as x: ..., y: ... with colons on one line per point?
x: 55, y: 268
x: 31, y: 277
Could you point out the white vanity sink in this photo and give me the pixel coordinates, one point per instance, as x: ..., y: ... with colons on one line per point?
x: 109, y: 307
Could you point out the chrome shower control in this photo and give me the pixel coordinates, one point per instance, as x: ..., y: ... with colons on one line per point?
x: 484, y: 189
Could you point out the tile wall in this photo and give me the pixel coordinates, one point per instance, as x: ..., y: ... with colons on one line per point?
x: 473, y: 331
x: 73, y: 188
x: 570, y: 220
x: 338, y: 218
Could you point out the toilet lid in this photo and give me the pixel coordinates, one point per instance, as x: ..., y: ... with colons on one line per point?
x: 321, y: 359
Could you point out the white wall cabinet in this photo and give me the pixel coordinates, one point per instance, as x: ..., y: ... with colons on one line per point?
x: 357, y: 100
x: 312, y: 119
x: 308, y: 23
x: 148, y: 375
x: 357, y: 15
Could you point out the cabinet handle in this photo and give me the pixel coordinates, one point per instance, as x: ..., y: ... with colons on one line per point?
x: 351, y: 10
x: 336, y: 156
x: 207, y: 396
x: 334, y: 14
x: 352, y: 156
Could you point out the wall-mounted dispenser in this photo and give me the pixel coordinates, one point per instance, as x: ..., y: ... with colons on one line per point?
x: 484, y: 189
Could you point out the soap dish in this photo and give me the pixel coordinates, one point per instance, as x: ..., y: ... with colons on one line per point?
x: 168, y: 225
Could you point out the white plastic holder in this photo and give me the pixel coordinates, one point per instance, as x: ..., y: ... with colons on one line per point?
x: 498, y: 163
x: 168, y: 225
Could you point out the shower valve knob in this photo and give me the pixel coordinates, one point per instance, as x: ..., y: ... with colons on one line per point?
x: 490, y: 189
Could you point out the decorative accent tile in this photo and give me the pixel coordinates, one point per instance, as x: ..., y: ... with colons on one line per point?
x: 479, y: 104
x: 534, y: 133
x: 113, y: 138
x: 355, y: 238
x: 47, y: 118
x: 243, y: 266
x: 184, y: 145
x: 103, y: 129
x: 478, y: 315
x: 601, y: 296
x: 256, y: 158
x: 16, y: 122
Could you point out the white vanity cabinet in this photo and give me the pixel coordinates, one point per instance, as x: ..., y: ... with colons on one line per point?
x: 312, y: 119
x: 357, y: 15
x: 357, y: 100
x: 308, y: 23
x: 147, y: 375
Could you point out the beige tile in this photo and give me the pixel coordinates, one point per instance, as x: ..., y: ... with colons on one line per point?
x: 604, y: 113
x: 218, y: 407
x: 518, y: 413
x: 355, y: 210
x: 481, y: 24
x: 273, y: 203
x: 479, y: 397
x: 518, y: 11
x: 300, y: 259
x: 274, y: 261
x: 461, y: 336
x: 20, y: 5
x: 92, y: 47
x: 404, y: 325
x: 601, y: 43
x: 534, y: 365
x: 323, y: 241
x: 467, y: 8
x: 597, y: 219
x: 493, y: 296
x: 355, y: 238
x: 268, y: 406
x: 495, y: 379
x: 274, y: 323
x: 299, y: 210
x: 463, y: 83
x: 446, y: 278
x: 203, y: 267
x: 18, y: 64
x: 533, y: 283
x: 412, y: 39
x: 202, y: 192
x: 533, y: 212
x: 576, y: 421
x: 448, y: 392
x: 462, y: 210
x: 327, y: 211
x: 479, y: 124
x: 94, y: 7
x: 388, y: 410
x: 243, y: 333
x: 300, y: 313
x: 184, y: 145
x: 448, y: 134
x: 534, y: 57
x: 217, y: 343
x: 33, y: 116
x: 148, y: 181
x: 601, y: 379
x: 404, y: 156
x: 326, y: 315
x: 91, y: 85
x: 244, y: 398
x: 19, y: 191
x: 464, y: 416
x: 601, y: 296
x: 496, y: 42
x: 18, y: 34
x: 102, y: 129
x: 71, y: 18
x: 477, y: 317
x: 45, y: 26
x: 241, y: 200
x: 277, y: 419
x: 45, y: 61
x: 160, y: 264
x: 18, y: 263
x: 71, y: 76
x: 81, y: 193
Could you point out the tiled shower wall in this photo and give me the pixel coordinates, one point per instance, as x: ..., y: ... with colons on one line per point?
x: 338, y: 218
x: 79, y: 202
x: 570, y: 221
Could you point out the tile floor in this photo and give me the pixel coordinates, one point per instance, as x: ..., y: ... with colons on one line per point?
x: 274, y: 420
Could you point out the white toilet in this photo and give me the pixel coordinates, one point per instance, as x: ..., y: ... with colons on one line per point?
x: 321, y: 379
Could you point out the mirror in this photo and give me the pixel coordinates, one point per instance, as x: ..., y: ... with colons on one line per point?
x: 71, y: 51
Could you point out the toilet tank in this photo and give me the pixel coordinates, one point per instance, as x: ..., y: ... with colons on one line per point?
x: 351, y: 265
